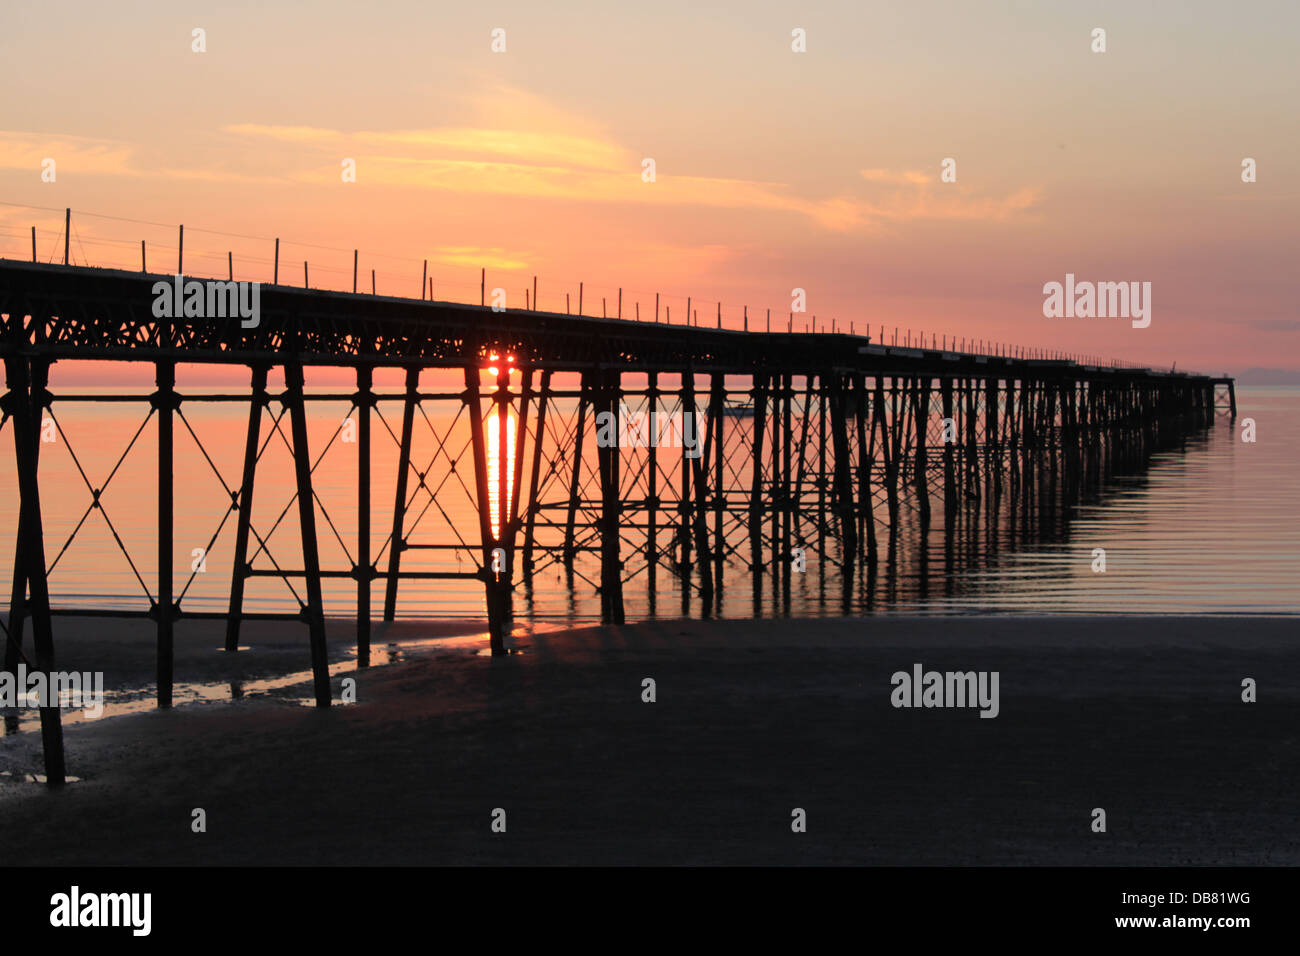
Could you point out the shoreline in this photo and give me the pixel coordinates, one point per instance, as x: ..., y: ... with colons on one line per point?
x: 1140, y: 716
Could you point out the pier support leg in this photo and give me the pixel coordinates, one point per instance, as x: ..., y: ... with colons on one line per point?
x: 31, y: 552
x: 315, y: 609
x: 866, y: 445
x: 510, y: 503
x: 243, y: 520
x: 824, y: 392
x: 700, y: 471
x: 575, y: 480
x: 18, y: 593
x: 949, y: 441
x: 718, y: 419
x: 652, y: 489
x: 788, y: 499
x: 756, y: 484
x: 775, y: 489
x: 1012, y: 427
x: 843, y: 478
x: 888, y: 454
x: 796, y: 500
x: 922, y: 417
x: 685, y: 510
x: 364, y: 570
x: 992, y: 446
x: 534, y: 477
x: 165, y: 402
x: 972, y: 441
x: 491, y: 582
x: 608, y: 455
x: 397, y: 543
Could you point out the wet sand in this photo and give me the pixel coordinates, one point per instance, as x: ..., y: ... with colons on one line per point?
x: 1140, y: 716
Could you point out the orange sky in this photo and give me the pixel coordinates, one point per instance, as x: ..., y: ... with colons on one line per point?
x: 774, y: 169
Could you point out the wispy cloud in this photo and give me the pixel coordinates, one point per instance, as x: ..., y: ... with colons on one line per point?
x: 923, y: 198
x: 494, y: 257
x: 518, y: 145
x: 80, y: 154
x: 87, y: 156
x: 910, y: 176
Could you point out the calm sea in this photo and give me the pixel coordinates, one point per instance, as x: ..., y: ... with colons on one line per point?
x: 1212, y: 528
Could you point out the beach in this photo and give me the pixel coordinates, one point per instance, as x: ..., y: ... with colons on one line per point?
x: 752, y: 720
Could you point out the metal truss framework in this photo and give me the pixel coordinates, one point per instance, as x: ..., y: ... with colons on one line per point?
x: 797, y: 443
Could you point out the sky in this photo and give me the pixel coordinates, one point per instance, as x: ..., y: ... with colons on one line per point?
x: 774, y: 169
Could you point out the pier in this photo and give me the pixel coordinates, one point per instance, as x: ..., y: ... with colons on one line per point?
x: 799, y: 440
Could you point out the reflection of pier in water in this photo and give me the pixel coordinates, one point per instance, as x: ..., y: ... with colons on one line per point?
x: 816, y: 449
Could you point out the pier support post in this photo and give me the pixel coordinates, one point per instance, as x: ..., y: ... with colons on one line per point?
x: 652, y: 486
x: 575, y: 479
x: 483, y: 495
x: 700, y: 471
x: 1069, y: 443
x: 244, y: 505
x: 608, y: 456
x: 888, y: 453
x: 39, y: 371
x: 992, y: 447
x: 922, y: 417
x: 795, y: 512
x: 396, y: 543
x: 949, y: 441
x: 866, y: 446
x: 972, y: 441
x: 1052, y: 434
x: 718, y: 419
x: 509, y: 529
x: 1027, y: 442
x: 843, y: 475
x: 1012, y: 445
x: 775, y: 492
x: 165, y: 402
x: 31, y: 552
x: 315, y: 609
x: 534, y: 476
x: 364, y: 569
x: 756, y: 480
x: 684, y: 508
x: 788, y: 499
